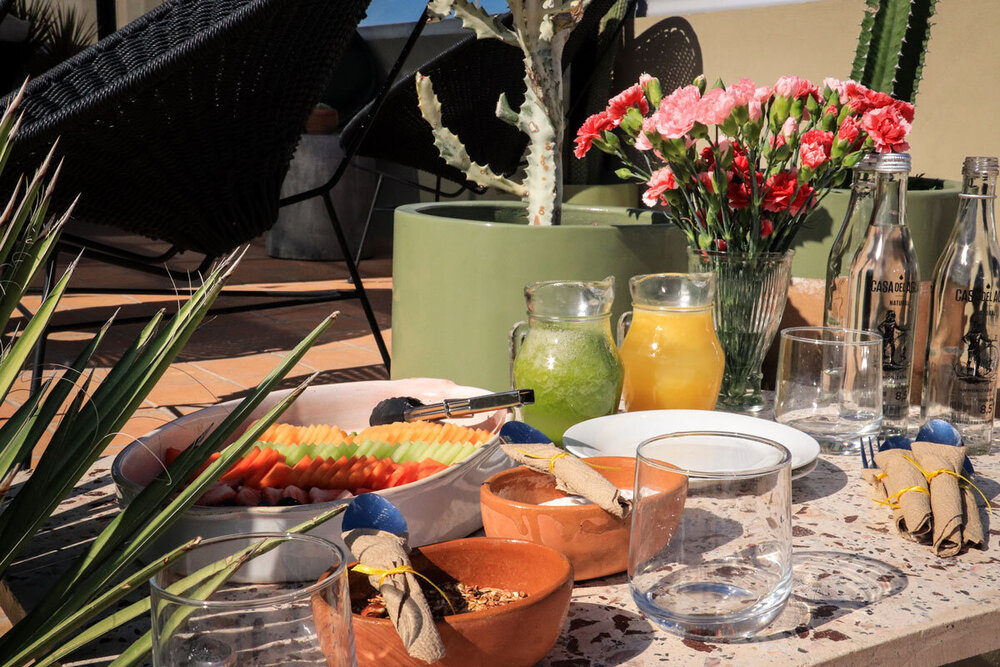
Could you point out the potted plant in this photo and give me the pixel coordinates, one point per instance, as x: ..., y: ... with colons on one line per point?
x: 739, y: 168
x: 459, y: 268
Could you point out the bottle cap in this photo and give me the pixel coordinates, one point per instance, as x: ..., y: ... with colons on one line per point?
x: 981, y: 165
x: 867, y: 162
x: 893, y: 163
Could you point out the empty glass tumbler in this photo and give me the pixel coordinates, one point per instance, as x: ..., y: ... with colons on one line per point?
x: 830, y: 385
x: 253, y: 599
x: 711, y: 549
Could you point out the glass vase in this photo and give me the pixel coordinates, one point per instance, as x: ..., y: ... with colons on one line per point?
x: 751, y: 291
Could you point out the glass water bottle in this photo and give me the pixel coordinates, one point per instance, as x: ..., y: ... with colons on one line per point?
x: 884, y: 287
x: 848, y: 240
x: 960, y: 377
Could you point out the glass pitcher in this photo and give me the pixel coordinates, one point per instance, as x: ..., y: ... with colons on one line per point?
x: 565, y: 352
x: 672, y: 356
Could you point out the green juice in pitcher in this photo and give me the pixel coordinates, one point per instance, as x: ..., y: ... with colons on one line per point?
x: 567, y: 355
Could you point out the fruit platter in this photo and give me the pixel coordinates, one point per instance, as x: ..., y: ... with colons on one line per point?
x: 322, y: 452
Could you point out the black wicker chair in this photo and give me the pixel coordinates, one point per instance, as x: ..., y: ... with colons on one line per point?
x: 180, y: 126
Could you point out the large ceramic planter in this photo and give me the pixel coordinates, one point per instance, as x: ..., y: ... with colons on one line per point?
x: 459, y: 271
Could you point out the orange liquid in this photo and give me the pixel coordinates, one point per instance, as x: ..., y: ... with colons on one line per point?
x: 672, y: 359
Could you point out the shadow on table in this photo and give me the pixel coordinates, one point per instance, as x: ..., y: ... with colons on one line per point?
x: 618, y: 637
x: 825, y: 480
x: 828, y: 585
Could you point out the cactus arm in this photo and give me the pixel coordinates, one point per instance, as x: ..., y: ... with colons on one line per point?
x: 450, y: 146
x: 505, y: 112
x: 911, y: 55
x: 891, y: 46
x: 475, y: 19
x: 864, y: 41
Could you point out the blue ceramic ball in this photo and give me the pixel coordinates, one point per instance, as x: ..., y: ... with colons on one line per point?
x: 895, y: 442
x: 940, y: 432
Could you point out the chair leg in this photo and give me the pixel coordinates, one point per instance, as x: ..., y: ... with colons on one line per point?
x: 39, y: 362
x: 368, y: 221
x: 359, y: 287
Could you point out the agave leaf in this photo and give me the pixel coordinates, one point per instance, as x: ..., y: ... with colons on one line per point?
x: 14, y: 433
x: 13, y: 360
x: 142, y: 646
x: 108, y: 598
x: 9, y: 123
x: 12, y: 234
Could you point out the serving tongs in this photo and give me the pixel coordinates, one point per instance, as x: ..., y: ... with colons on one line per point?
x: 407, y: 409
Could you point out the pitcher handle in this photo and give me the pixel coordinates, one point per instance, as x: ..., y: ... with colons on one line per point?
x: 517, y: 335
x: 624, y: 322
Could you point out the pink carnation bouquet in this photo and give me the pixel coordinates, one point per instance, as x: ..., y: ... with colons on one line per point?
x: 739, y: 167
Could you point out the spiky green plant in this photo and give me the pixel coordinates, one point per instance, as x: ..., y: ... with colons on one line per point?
x: 92, y: 413
x: 892, y: 45
x: 57, y: 31
x: 541, y: 28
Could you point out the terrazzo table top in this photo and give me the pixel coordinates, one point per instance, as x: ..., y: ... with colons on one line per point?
x: 862, y: 595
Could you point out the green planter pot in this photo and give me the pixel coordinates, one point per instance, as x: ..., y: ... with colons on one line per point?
x: 459, y: 271
x: 930, y: 215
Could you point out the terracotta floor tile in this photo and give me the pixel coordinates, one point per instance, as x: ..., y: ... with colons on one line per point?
x: 230, y: 353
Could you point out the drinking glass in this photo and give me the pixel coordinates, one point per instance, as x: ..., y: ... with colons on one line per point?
x: 249, y: 599
x: 830, y: 385
x: 711, y: 548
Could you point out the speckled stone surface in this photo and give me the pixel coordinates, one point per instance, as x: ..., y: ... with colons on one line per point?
x: 862, y: 595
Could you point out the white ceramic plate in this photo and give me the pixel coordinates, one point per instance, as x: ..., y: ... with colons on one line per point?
x: 619, y: 435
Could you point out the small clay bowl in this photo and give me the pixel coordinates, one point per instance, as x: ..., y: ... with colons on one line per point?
x: 595, y: 541
x: 521, y: 632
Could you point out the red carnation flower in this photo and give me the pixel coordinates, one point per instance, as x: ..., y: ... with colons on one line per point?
x: 815, y: 147
x: 591, y: 129
x: 619, y: 105
x: 888, y: 129
x: 783, y: 192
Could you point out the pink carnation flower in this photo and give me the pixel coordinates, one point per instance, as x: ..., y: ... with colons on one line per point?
x: 676, y: 115
x: 660, y: 181
x: 742, y: 91
x: 591, y: 129
x: 625, y: 100
x: 888, y: 129
x: 815, y: 147
x: 790, y: 128
x: 761, y: 96
x: 715, y: 107
x: 834, y: 84
x: 793, y: 87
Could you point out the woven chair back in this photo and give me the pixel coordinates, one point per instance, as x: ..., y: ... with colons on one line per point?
x: 181, y: 125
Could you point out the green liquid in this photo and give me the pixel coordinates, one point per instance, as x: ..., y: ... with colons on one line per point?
x: 575, y: 371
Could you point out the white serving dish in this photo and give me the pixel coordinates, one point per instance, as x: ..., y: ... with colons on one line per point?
x: 621, y: 434
x: 441, y: 507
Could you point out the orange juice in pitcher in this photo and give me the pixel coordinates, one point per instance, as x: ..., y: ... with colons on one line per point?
x: 671, y: 355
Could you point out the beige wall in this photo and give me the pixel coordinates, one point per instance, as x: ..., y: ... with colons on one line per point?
x: 959, y: 96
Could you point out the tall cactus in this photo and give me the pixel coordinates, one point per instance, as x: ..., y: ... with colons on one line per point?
x: 540, y: 30
x: 892, y: 44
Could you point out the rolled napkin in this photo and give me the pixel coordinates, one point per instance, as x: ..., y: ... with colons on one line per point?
x: 954, y: 516
x: 572, y: 475
x: 906, y: 489
x: 386, y: 554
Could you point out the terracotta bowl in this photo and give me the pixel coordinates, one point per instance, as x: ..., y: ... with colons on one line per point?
x: 519, y: 633
x: 595, y: 542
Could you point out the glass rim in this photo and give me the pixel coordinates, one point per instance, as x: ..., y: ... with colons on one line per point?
x: 689, y: 275
x: 257, y: 602
x: 785, y: 462
x: 863, y: 336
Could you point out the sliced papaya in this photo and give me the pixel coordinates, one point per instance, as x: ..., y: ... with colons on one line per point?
x: 260, y: 467
x: 278, y: 476
x: 239, y: 469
